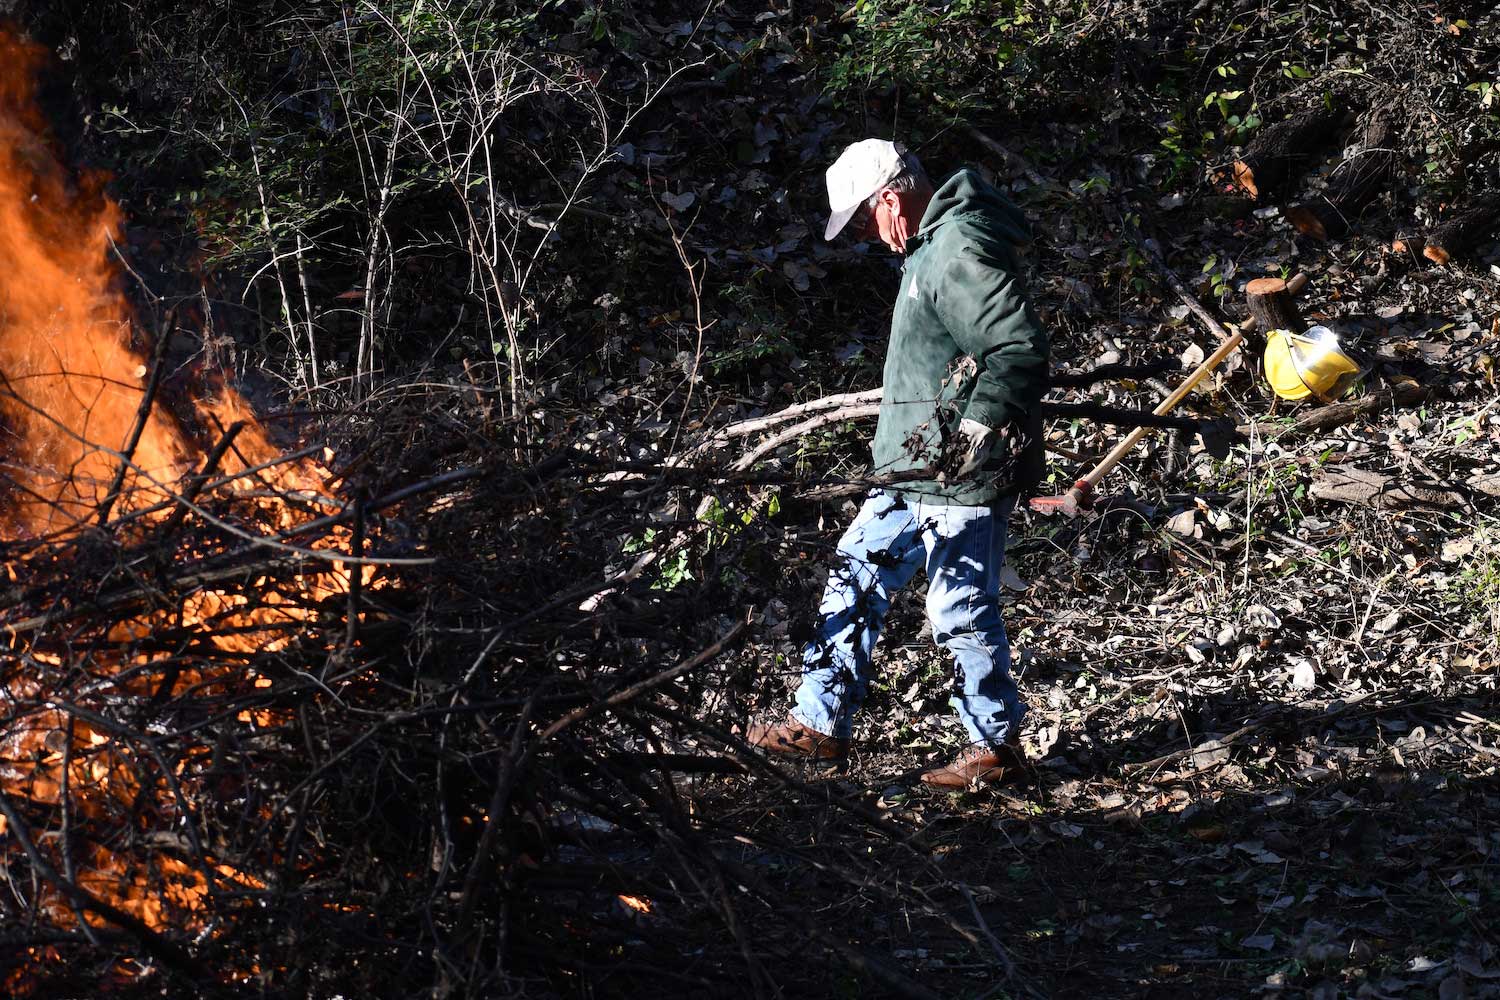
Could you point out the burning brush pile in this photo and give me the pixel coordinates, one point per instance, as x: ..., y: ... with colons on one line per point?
x: 163, y: 558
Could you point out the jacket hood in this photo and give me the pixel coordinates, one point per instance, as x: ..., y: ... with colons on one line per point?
x: 966, y: 193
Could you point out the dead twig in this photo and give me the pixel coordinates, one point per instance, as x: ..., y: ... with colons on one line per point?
x: 805, y: 427
x: 142, y: 414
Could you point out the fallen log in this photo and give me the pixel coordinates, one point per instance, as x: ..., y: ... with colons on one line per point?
x: 1346, y: 484
x: 1353, y: 184
x: 1486, y: 483
x: 1463, y: 230
x: 1115, y: 415
x: 1281, y: 147
x: 1338, y: 414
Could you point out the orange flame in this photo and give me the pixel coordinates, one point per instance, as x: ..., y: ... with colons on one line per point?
x: 637, y: 903
x: 72, y: 382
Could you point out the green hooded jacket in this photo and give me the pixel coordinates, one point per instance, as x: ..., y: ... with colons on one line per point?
x: 965, y: 343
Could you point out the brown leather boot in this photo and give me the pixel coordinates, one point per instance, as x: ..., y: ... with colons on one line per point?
x: 979, y: 764
x: 793, y: 738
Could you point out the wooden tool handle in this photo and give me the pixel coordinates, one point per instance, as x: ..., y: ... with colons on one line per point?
x: 1080, y: 493
x: 1134, y: 437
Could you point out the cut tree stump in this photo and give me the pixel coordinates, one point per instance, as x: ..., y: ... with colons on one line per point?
x: 1272, y: 306
x: 1463, y: 230
x: 1353, y: 184
x: 1279, y: 148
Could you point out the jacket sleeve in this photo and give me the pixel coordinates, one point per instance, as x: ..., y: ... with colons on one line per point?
x: 982, y: 302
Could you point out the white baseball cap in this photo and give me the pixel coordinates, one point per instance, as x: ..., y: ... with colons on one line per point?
x: 861, y: 169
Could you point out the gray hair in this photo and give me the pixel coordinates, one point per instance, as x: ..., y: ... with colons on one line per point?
x: 911, y: 177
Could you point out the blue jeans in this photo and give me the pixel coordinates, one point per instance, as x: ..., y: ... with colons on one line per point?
x: 962, y: 549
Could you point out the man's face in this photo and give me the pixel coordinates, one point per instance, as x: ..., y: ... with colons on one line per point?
x: 862, y: 228
x: 880, y: 223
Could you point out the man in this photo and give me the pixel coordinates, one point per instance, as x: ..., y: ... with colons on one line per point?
x: 965, y: 369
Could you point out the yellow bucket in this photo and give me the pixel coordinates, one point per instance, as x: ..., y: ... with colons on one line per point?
x: 1299, y: 365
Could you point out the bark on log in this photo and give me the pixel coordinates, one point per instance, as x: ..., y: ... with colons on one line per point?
x: 1279, y: 148
x: 860, y: 405
x: 742, y: 427
x: 1338, y: 414
x: 1272, y: 306
x: 1463, y: 230
x: 754, y: 425
x: 1353, y: 184
x: 1347, y: 484
x: 1486, y: 483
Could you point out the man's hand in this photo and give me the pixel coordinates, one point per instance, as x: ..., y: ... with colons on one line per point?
x: 980, y: 442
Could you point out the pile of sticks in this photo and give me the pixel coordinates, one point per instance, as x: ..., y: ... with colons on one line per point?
x: 443, y: 774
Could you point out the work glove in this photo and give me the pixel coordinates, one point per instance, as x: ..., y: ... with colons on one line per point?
x: 979, y: 443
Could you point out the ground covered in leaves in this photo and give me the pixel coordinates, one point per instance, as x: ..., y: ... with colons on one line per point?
x: 1262, y: 710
